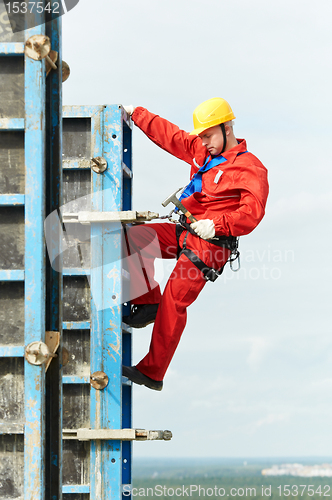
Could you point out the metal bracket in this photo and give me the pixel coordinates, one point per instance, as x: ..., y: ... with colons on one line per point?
x: 126, y: 217
x: 52, y: 340
x: 38, y: 47
x: 116, y: 434
x: 38, y: 353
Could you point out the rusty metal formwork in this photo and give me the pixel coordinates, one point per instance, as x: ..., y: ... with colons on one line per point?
x: 65, y: 409
x: 94, y: 395
x: 30, y: 292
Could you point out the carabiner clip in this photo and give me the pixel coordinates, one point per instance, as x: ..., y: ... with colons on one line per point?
x: 231, y: 260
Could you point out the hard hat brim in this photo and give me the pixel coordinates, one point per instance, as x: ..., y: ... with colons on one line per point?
x: 198, y: 131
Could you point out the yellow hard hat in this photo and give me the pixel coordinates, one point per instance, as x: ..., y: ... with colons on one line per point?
x: 210, y: 113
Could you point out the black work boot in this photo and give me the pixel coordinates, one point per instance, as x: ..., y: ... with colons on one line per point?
x: 141, y: 315
x: 139, y: 378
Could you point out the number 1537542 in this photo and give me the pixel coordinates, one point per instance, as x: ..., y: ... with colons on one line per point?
x: 32, y: 7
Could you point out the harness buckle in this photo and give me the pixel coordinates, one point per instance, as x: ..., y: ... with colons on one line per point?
x: 211, y: 275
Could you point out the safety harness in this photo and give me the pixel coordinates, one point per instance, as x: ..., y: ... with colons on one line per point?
x: 210, y: 274
x: 230, y: 242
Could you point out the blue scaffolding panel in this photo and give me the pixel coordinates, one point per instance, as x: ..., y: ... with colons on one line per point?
x: 65, y: 409
x: 26, y: 109
x: 95, y: 137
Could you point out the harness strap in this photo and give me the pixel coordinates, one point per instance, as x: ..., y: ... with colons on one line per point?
x: 210, y: 274
x: 224, y: 136
x: 178, y: 231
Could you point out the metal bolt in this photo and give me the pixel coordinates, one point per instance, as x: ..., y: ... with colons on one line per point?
x: 98, y: 164
x: 167, y: 435
x: 37, y: 353
x: 98, y: 380
x: 40, y: 44
x: 65, y: 71
x: 49, y: 60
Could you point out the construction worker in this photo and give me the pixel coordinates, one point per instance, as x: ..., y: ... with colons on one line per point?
x: 227, y: 195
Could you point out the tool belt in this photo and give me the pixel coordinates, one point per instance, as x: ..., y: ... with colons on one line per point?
x: 229, y: 242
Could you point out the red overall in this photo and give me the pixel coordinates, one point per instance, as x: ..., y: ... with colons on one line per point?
x: 233, y: 195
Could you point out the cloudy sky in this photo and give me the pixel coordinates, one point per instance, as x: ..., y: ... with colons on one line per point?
x: 252, y: 375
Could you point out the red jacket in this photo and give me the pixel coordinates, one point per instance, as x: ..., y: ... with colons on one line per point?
x: 234, y: 199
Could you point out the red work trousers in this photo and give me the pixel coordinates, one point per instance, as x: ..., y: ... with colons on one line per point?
x: 151, y: 241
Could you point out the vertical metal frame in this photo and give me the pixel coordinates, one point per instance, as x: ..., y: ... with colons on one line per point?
x: 106, y: 335
x: 34, y: 283
x: 126, y: 331
x: 110, y: 339
x: 54, y: 291
x: 34, y: 126
x: 95, y: 114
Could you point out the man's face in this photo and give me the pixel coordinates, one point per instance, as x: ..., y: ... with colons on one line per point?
x: 213, y: 140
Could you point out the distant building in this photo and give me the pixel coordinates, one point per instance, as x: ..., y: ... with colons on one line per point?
x: 322, y: 470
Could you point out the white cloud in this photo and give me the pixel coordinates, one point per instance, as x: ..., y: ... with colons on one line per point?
x: 259, y: 346
x: 302, y: 205
x: 271, y: 419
